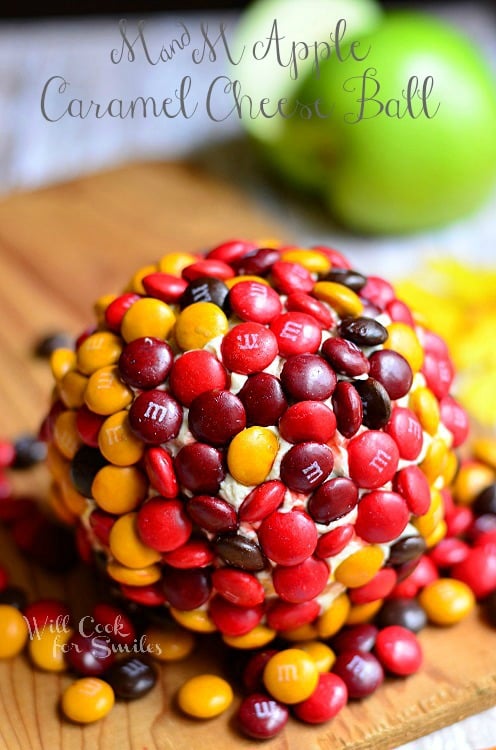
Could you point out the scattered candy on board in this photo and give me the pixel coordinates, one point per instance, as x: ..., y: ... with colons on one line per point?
x: 262, y: 442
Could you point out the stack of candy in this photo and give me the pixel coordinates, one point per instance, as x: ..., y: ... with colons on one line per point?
x: 260, y: 442
x: 256, y: 439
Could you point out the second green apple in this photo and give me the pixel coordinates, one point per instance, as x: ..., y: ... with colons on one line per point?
x: 407, y: 137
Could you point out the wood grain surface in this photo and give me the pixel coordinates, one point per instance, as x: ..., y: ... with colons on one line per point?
x: 60, y: 248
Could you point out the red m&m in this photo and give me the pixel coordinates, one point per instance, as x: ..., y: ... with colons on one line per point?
x: 382, y: 516
x: 163, y: 524
x: 308, y: 421
x: 406, y: 430
x: 302, y: 582
x: 296, y: 333
x: 328, y: 698
x: 373, y: 459
x: 398, y: 650
x: 248, y: 348
x: 253, y: 301
x: 195, y: 372
x: 288, y: 538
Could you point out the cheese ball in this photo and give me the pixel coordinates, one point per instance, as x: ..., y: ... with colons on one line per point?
x: 256, y: 439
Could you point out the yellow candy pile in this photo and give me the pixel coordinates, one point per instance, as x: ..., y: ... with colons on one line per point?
x: 457, y: 300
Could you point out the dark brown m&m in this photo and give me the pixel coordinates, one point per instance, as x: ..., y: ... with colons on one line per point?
x: 145, y: 362
x: 155, y: 417
x: 131, y: 678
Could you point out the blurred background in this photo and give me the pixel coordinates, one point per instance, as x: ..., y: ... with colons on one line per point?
x: 75, y: 39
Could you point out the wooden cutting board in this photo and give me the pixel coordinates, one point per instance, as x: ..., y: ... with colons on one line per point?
x: 60, y: 248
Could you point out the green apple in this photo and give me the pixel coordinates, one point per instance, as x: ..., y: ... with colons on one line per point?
x: 281, y: 41
x: 408, y: 135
